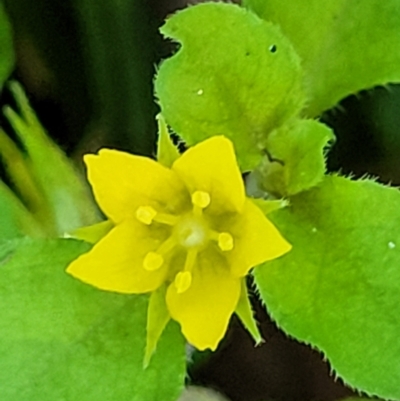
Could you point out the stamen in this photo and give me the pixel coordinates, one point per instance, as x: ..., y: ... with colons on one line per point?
x: 167, y: 245
x: 164, y: 218
x: 225, y: 241
x: 201, y: 199
x: 145, y: 214
x: 190, y: 259
x: 152, y: 261
x: 183, y: 280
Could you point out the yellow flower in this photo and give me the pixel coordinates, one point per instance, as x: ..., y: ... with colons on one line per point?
x: 189, y: 228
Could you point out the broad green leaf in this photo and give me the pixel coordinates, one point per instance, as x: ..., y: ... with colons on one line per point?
x: 295, y: 158
x: 234, y: 75
x: 63, y: 340
x: 6, y: 47
x: 8, y: 247
x: 338, y: 288
x: 345, y: 46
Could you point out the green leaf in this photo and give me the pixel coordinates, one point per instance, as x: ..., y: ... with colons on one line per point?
x: 245, y: 313
x: 157, y: 319
x: 345, y: 46
x: 8, y: 247
x: 167, y: 152
x: 63, y: 340
x: 6, y: 47
x: 338, y: 288
x: 234, y: 75
x: 295, y: 157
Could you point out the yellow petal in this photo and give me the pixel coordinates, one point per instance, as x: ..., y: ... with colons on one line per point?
x: 122, y: 182
x: 257, y: 240
x: 211, y: 166
x: 115, y: 263
x: 205, y: 308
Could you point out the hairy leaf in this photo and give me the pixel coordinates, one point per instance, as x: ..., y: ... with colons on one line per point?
x: 345, y: 46
x: 63, y: 340
x: 295, y: 158
x: 338, y: 287
x: 234, y: 75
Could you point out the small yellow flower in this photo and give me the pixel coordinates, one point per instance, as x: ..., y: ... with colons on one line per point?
x: 189, y: 227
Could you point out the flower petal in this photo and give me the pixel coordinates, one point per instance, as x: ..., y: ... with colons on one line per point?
x: 204, y: 310
x: 115, y: 263
x: 122, y: 182
x: 211, y: 166
x: 257, y: 240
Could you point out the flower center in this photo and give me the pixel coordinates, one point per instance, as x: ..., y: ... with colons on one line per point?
x: 191, y: 231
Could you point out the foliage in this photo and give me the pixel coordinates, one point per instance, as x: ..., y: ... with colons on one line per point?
x: 64, y: 340
x: 338, y: 289
x: 349, y: 49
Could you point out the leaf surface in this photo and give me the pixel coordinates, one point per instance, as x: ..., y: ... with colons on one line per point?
x: 338, y: 288
x: 63, y: 340
x: 234, y: 75
x: 345, y: 46
x: 295, y: 157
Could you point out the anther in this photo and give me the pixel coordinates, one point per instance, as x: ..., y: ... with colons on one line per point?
x: 201, y: 199
x: 145, y: 214
x: 225, y: 241
x: 152, y: 261
x: 182, y: 282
